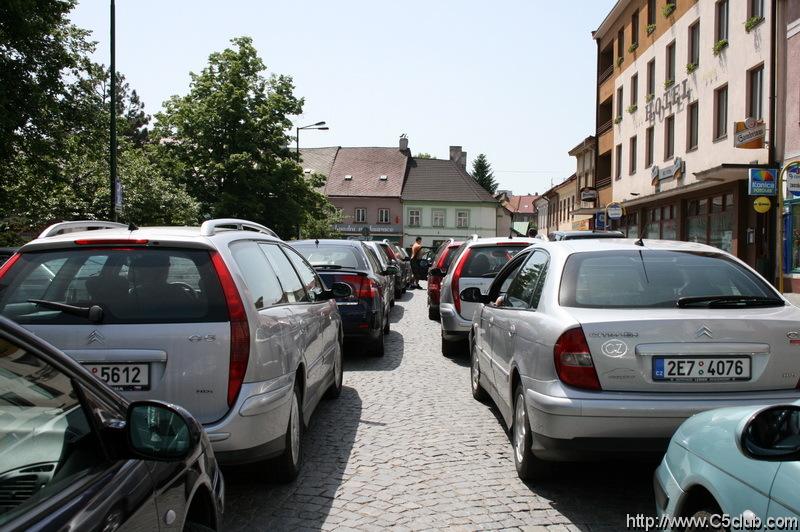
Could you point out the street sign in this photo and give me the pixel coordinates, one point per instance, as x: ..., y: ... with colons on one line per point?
x: 614, y: 211
x: 762, y: 204
x: 600, y: 221
x: 793, y: 179
x: 763, y: 182
x: 749, y: 134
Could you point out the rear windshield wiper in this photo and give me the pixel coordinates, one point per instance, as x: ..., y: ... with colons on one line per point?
x: 730, y: 301
x: 93, y: 313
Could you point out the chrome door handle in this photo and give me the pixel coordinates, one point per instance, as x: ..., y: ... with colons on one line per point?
x: 511, y: 330
x: 491, y: 320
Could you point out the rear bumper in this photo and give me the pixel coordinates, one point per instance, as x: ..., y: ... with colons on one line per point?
x: 453, y: 325
x: 568, y: 427
x: 358, y: 321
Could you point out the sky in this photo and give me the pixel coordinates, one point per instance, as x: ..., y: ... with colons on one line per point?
x: 514, y: 79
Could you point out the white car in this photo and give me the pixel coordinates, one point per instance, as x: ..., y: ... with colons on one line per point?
x: 595, y: 346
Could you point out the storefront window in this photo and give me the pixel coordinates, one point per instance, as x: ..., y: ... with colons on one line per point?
x: 662, y: 224
x: 711, y: 221
x: 796, y: 236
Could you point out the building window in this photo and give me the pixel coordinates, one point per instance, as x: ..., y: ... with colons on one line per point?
x: 721, y: 26
x: 634, y: 89
x: 694, y: 43
x: 661, y: 223
x: 414, y: 217
x: 670, y: 73
x: 629, y: 224
x: 692, y: 126
x: 648, y: 147
x: 669, y: 137
x: 619, y: 102
x: 710, y: 221
x: 383, y: 216
x: 437, y: 218
x: 621, y: 43
x: 756, y: 9
x: 462, y: 219
x: 651, y: 12
x: 632, y: 156
x: 651, y: 77
x: 755, y: 92
x: 361, y: 216
x: 721, y: 112
x: 635, y: 27
x: 618, y: 172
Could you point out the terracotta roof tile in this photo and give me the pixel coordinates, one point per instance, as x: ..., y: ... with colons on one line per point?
x: 365, y: 166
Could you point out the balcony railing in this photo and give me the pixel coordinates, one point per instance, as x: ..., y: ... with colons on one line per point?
x: 606, y: 74
x: 605, y: 126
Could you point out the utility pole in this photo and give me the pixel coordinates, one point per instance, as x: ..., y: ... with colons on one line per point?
x: 113, y: 139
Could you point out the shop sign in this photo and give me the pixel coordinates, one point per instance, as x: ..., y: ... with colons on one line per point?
x: 749, y: 134
x: 581, y: 225
x: 600, y: 221
x: 674, y: 95
x: 676, y: 169
x: 762, y: 204
x: 366, y: 230
x: 763, y: 182
x: 793, y: 179
x: 614, y: 211
x: 589, y: 194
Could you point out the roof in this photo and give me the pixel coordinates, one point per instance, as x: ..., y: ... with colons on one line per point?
x: 318, y: 160
x: 586, y: 144
x: 442, y: 180
x: 365, y: 166
x: 610, y: 19
x: 628, y: 244
x: 523, y: 204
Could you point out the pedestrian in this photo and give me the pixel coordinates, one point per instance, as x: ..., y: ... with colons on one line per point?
x: 416, y: 256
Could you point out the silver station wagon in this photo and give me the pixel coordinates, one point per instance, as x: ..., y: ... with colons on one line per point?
x: 606, y: 346
x: 225, y: 320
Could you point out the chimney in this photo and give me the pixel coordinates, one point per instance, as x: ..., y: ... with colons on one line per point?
x: 403, y: 142
x: 459, y: 157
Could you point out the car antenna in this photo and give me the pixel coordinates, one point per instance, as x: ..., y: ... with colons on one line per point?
x: 132, y: 227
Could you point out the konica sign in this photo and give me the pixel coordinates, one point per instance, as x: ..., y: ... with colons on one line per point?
x: 763, y: 182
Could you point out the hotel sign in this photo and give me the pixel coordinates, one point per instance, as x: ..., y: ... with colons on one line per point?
x: 382, y: 229
x: 673, y: 96
x: 676, y: 169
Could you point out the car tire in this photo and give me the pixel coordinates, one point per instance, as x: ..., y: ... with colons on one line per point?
x: 478, y: 393
x: 377, y: 349
x: 449, y: 347
x: 703, y: 515
x: 335, y: 389
x: 391, y: 303
x: 290, y: 462
x: 386, y: 326
x: 190, y: 526
x: 528, y: 466
x: 433, y: 314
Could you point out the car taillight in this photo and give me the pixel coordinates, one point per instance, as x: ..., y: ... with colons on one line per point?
x: 456, y: 277
x: 359, y: 284
x: 8, y: 264
x: 111, y: 242
x: 573, y: 361
x: 240, y: 329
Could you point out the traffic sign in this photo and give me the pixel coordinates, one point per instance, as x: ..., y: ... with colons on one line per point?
x: 614, y: 211
x: 793, y: 179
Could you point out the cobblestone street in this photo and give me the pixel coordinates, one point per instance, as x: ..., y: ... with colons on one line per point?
x: 406, y: 447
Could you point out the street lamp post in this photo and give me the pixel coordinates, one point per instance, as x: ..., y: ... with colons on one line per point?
x: 318, y: 125
x: 113, y: 125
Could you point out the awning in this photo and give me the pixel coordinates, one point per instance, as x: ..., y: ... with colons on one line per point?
x: 728, y: 172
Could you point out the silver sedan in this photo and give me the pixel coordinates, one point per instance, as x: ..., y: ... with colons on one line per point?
x: 606, y: 346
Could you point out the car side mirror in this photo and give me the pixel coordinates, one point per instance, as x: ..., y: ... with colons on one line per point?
x: 773, y: 434
x: 340, y: 290
x: 438, y: 272
x: 161, y: 431
x: 472, y: 295
x: 391, y: 270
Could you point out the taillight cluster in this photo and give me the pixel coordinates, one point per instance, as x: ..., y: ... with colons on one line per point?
x: 456, y: 277
x: 362, y: 286
x: 573, y: 361
x: 8, y: 264
x: 240, y: 329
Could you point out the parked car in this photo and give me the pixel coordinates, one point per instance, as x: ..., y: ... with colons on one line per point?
x: 439, y: 265
x: 593, y: 348
x: 386, y: 266
x: 742, y: 462
x: 579, y: 235
x: 225, y: 319
x: 76, y: 456
x: 365, y: 312
x: 475, y: 264
x: 404, y: 261
x: 5, y: 254
x: 397, y: 262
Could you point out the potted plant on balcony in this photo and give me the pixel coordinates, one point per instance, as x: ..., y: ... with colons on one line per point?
x: 668, y: 83
x: 651, y: 28
x: 618, y: 119
x: 719, y: 46
x: 691, y: 67
x: 668, y: 9
x: 752, y: 22
x: 649, y: 98
x: 632, y: 48
x: 620, y: 59
x: 632, y: 108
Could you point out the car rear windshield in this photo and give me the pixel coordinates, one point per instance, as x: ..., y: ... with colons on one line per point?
x: 653, y: 278
x: 344, y: 256
x: 487, y: 261
x: 130, y: 285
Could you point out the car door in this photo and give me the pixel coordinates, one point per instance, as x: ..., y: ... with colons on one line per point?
x: 515, y: 310
x: 321, y: 327
x: 785, y: 497
x: 53, y: 458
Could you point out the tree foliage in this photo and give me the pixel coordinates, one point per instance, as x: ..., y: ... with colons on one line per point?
x: 482, y: 172
x: 423, y: 155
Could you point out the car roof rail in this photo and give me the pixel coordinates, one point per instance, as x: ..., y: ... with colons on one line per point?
x: 210, y: 227
x: 474, y: 237
x: 78, y: 225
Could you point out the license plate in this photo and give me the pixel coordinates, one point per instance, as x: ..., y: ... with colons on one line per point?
x: 688, y: 369
x: 128, y: 377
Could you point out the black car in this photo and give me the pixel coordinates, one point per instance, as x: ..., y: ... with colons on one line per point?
x: 365, y: 313
x: 76, y: 456
x: 386, y: 265
x: 397, y: 261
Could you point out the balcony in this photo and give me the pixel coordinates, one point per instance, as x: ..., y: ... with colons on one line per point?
x: 605, y: 74
x: 605, y: 126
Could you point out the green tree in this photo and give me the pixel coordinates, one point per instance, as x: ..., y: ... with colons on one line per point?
x: 229, y: 136
x: 423, y: 155
x: 482, y: 172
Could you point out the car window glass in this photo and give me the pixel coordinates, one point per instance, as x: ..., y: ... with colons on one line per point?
x: 487, y: 261
x: 131, y: 285
x: 46, y: 440
x: 537, y: 293
x: 344, y: 256
x: 373, y: 260
x: 522, y: 287
x: 260, y: 278
x: 309, y: 279
x: 292, y: 287
x: 382, y: 258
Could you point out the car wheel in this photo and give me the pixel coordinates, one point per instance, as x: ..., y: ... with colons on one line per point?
x: 391, y: 303
x: 335, y: 389
x: 478, y: 393
x: 449, y: 347
x: 377, y: 348
x: 290, y: 461
x: 433, y: 314
x: 386, y: 326
x: 528, y: 466
x: 703, y: 516
x: 196, y: 527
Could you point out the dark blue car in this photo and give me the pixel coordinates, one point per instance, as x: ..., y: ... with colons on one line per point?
x: 365, y: 313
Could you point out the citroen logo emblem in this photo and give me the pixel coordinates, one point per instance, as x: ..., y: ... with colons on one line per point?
x: 703, y: 331
x: 95, y: 338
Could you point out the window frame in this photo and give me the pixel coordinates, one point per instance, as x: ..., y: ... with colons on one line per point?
x: 651, y: 77
x: 692, y: 125
x: 649, y: 146
x: 618, y: 166
x: 465, y: 212
x: 414, y: 213
x: 693, y: 41
x: 720, y: 124
x: 721, y: 20
x: 669, y: 71
x: 669, y: 137
x: 434, y: 213
x: 620, y: 100
x: 635, y: 28
x: 634, y: 99
x: 356, y: 216
x: 757, y: 72
x: 632, y: 149
x: 651, y: 12
x: 388, y: 219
